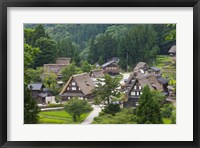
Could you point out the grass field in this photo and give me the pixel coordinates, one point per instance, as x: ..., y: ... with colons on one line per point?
x: 167, y: 66
x: 59, y: 117
x: 166, y: 121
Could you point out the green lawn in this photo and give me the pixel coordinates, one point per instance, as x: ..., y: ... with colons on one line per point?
x: 166, y: 121
x: 59, y: 117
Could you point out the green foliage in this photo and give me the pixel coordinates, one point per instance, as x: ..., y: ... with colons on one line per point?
x: 31, y: 109
x: 125, y: 116
x: 85, y: 66
x: 107, y: 92
x: 111, y: 109
x: 173, y: 117
x: 30, y: 54
x: 70, y: 70
x: 166, y: 110
x: 149, y: 109
x: 76, y: 107
x: 48, y: 51
x: 172, y: 33
x: 50, y: 80
x: 35, y: 75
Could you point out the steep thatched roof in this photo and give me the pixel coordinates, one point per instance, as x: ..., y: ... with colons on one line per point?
x: 56, y: 68
x: 149, y: 80
x: 135, y: 74
x: 172, y: 49
x: 97, y: 73
x: 63, y: 60
x: 83, y: 81
x: 140, y: 65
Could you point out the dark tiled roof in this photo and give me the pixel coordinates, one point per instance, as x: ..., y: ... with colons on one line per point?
x: 35, y: 86
x: 108, y: 63
x: 162, y: 80
x: 155, y: 68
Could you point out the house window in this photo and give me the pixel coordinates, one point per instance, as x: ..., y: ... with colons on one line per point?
x: 137, y: 93
x: 73, y: 83
x: 73, y: 88
x: 79, y: 88
x: 135, y: 87
x: 140, y: 87
x: 132, y: 93
x: 67, y: 88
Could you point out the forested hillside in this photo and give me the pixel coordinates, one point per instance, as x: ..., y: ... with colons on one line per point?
x: 97, y: 43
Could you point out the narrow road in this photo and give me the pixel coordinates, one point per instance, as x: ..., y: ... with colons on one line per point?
x: 92, y: 115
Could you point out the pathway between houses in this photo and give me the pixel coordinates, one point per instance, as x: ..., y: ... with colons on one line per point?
x: 92, y: 115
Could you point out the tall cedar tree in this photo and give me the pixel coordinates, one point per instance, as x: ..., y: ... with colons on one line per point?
x: 48, y: 51
x: 149, y: 109
x: 31, y: 109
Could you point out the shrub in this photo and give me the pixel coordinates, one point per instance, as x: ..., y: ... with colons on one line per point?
x: 166, y: 110
x: 111, y: 109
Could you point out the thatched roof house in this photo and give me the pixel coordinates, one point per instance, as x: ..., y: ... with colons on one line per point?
x: 135, y: 90
x: 56, y: 68
x: 172, y: 50
x: 98, y: 73
x: 111, y: 67
x: 63, y: 60
x: 79, y: 85
x: 141, y: 65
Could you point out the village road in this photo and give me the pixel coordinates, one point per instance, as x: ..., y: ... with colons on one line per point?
x: 92, y: 115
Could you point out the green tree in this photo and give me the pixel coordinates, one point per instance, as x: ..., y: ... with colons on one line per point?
x: 48, y: 51
x: 30, y: 54
x: 173, y: 117
x: 76, y: 107
x: 85, y: 66
x: 50, y: 80
x: 111, y: 109
x: 70, y: 70
x: 39, y: 32
x: 31, y: 109
x: 149, y: 109
x: 35, y: 75
x: 166, y: 110
x: 106, y: 90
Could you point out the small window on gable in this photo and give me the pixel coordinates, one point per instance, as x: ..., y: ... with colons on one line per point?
x: 135, y: 87
x: 138, y: 93
x: 133, y: 93
x: 73, y: 88
x: 73, y: 83
x: 140, y: 87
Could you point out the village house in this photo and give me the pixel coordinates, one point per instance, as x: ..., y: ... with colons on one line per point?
x: 142, y: 66
x: 57, y: 68
x: 63, y: 60
x: 172, y: 51
x: 111, y: 67
x: 79, y: 86
x: 135, y: 90
x: 155, y: 71
x: 98, y: 73
x: 39, y: 92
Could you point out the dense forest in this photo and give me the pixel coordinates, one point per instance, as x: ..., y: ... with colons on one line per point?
x: 98, y: 43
